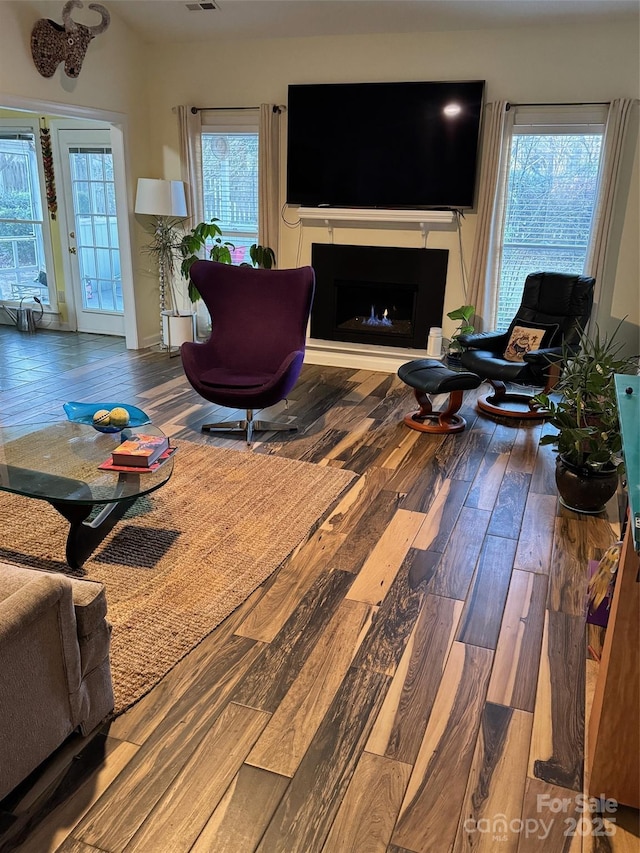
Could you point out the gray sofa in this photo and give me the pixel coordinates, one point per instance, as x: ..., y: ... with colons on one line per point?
x: 54, y: 665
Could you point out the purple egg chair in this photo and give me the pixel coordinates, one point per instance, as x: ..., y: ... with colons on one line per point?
x: 255, y: 352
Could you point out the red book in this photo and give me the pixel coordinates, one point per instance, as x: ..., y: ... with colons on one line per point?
x: 140, y: 451
x: 108, y: 465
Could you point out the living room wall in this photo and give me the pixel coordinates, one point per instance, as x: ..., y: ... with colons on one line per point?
x: 143, y: 82
x: 113, y: 80
x: 572, y: 64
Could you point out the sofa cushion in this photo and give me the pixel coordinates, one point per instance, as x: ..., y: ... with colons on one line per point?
x: 89, y: 598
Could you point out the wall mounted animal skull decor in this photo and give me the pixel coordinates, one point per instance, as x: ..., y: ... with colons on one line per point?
x: 52, y: 43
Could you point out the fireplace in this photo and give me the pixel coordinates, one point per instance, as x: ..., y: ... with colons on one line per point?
x: 377, y: 295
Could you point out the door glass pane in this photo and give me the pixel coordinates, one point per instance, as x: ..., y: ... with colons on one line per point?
x: 96, y: 233
x: 551, y: 193
x: 23, y: 269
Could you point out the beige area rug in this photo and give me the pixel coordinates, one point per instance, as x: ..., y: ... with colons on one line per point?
x: 186, y: 555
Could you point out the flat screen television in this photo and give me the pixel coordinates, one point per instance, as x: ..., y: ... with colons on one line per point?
x: 383, y: 145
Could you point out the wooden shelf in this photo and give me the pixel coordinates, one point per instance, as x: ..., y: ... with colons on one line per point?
x: 614, y: 724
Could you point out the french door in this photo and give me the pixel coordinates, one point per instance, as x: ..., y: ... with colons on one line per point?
x: 90, y: 236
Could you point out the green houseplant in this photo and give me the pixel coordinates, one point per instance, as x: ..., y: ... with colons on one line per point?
x: 164, y: 247
x: 195, y: 242
x: 588, y: 441
x: 463, y: 314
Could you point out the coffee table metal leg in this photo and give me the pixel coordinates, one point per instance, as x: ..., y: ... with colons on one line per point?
x: 85, y: 536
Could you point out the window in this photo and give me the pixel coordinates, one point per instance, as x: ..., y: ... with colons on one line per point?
x: 551, y: 193
x: 230, y: 179
x: 96, y: 226
x: 23, y: 264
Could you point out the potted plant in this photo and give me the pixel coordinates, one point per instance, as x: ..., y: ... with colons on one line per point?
x: 463, y: 314
x: 588, y: 441
x: 176, y: 318
x: 195, y: 242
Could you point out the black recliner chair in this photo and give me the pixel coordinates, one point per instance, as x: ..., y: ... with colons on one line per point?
x: 554, y: 311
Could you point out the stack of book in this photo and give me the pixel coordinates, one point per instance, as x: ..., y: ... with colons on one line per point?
x: 139, y: 453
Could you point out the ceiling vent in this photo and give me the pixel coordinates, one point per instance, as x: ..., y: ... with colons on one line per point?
x: 196, y: 7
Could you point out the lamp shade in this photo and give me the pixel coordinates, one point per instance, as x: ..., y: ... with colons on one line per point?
x: 161, y: 198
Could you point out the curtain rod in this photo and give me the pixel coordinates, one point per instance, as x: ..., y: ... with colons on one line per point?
x: 570, y: 104
x: 277, y: 108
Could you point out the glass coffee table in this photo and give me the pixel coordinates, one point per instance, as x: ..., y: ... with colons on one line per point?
x: 58, y: 463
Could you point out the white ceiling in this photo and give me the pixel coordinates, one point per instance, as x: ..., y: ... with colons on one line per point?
x: 161, y: 21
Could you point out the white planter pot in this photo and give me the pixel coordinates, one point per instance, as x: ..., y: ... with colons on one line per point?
x: 177, y: 329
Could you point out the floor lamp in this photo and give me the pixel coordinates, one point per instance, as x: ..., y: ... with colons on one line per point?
x: 166, y: 202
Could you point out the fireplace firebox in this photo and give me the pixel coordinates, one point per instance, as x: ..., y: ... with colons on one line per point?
x: 376, y: 294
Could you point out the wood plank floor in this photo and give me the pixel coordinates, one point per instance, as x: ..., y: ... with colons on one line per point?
x: 413, y: 678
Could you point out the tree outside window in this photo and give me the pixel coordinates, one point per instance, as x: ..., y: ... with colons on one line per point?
x: 551, y: 194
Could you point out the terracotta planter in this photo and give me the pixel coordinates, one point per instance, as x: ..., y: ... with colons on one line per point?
x: 583, y: 490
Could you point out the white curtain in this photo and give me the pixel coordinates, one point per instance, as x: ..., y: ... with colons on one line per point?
x: 618, y: 119
x: 190, y: 132
x: 190, y: 138
x: 269, y: 177
x: 484, y: 272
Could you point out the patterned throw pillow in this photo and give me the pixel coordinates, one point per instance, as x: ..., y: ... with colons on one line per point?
x: 525, y: 338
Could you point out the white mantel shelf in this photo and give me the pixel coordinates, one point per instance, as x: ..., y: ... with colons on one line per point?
x: 424, y: 220
x: 359, y: 356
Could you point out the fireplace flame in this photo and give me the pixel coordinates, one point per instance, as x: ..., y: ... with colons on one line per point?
x: 374, y: 320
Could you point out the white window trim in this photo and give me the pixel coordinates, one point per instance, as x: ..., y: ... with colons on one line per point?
x: 559, y: 119
x: 33, y: 126
x: 230, y: 121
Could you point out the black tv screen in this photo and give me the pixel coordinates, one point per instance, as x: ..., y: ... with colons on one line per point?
x: 387, y: 145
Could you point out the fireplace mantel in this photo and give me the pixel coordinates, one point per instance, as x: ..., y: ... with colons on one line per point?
x: 423, y: 220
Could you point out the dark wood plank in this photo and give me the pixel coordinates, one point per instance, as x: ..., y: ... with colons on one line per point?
x: 442, y: 516
x: 385, y: 641
x: 429, y: 814
x: 357, y: 502
x: 535, y: 540
x: 268, y: 680
x: 184, y: 809
x: 209, y: 660
x: 418, y: 466
x: 557, y: 745
x: 291, y: 584
x: 288, y: 734
x: 427, y: 483
x: 553, y: 813
x: 515, y: 668
x: 488, y: 481
x: 575, y: 542
x: 496, y: 781
x: 46, y: 821
x: 72, y: 845
x: 374, y: 580
x: 243, y: 813
x: 506, y: 517
x: 543, y: 478
x: 403, y: 719
x: 482, y: 615
x: 478, y: 441
x: 373, y: 445
x: 525, y: 447
x: 356, y: 548
x: 452, y: 577
x: 304, y: 817
x: 118, y: 814
x: 366, y: 817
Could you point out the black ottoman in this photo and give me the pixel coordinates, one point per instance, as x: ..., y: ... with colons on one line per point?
x: 428, y: 376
